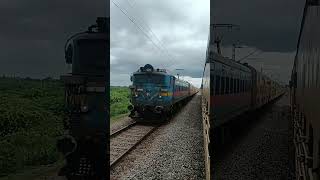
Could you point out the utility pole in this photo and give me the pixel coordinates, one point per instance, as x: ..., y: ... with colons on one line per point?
x: 178, y: 73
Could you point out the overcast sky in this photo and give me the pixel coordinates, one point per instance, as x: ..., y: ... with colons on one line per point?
x: 179, y: 31
x: 33, y: 33
x: 271, y: 26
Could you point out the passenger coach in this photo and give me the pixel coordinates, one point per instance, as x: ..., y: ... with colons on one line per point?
x: 229, y: 89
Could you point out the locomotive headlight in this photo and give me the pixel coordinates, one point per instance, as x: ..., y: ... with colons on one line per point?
x: 84, y: 108
x: 160, y: 96
x: 136, y: 95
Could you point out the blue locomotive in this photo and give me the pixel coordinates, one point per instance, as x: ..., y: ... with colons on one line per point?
x: 155, y: 91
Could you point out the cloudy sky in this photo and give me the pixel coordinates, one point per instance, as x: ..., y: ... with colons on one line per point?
x: 169, y: 34
x: 33, y: 33
x: 269, y: 27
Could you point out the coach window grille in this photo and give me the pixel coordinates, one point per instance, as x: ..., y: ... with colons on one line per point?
x: 235, y: 86
x: 217, y: 91
x: 231, y: 85
x: 245, y: 85
x: 239, y: 85
x: 227, y: 85
x: 223, y: 85
x: 212, y: 85
x: 242, y: 83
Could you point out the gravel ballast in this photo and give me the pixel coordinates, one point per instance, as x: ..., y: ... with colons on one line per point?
x: 262, y: 151
x: 173, y: 151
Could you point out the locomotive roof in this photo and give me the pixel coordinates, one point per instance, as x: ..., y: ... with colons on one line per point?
x: 160, y: 73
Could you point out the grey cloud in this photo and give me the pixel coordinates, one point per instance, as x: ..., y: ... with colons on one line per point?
x: 181, y: 27
x: 33, y: 33
x: 268, y: 25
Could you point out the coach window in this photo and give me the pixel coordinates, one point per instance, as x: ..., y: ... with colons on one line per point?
x: 245, y: 85
x: 223, y: 85
x: 231, y: 85
x: 217, y: 90
x: 212, y: 85
x: 237, y: 87
x: 227, y: 85
x: 217, y: 87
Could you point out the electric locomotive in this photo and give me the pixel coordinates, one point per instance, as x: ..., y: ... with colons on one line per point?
x: 156, y: 92
x: 84, y: 144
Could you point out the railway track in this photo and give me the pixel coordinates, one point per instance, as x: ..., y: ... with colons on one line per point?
x: 125, y: 139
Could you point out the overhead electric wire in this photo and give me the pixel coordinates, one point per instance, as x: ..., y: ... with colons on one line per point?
x: 143, y: 29
x: 148, y: 28
x: 133, y: 21
x: 249, y: 55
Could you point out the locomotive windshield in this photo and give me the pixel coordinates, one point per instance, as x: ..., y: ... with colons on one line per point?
x: 92, y: 49
x: 148, y: 78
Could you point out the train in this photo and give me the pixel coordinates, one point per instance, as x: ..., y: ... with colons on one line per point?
x: 305, y: 95
x: 230, y: 88
x: 157, y: 92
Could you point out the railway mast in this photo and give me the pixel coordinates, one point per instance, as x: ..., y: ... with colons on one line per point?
x: 217, y: 37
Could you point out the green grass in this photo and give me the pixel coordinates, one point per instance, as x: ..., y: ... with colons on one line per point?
x: 31, y: 119
x: 119, y: 101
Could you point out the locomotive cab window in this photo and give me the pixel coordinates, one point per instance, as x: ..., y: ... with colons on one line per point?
x: 148, y: 78
x: 92, y: 49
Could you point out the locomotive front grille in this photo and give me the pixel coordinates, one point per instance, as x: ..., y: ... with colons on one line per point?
x: 85, y: 168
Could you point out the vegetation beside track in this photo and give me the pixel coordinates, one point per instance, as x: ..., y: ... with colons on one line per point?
x: 31, y: 120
